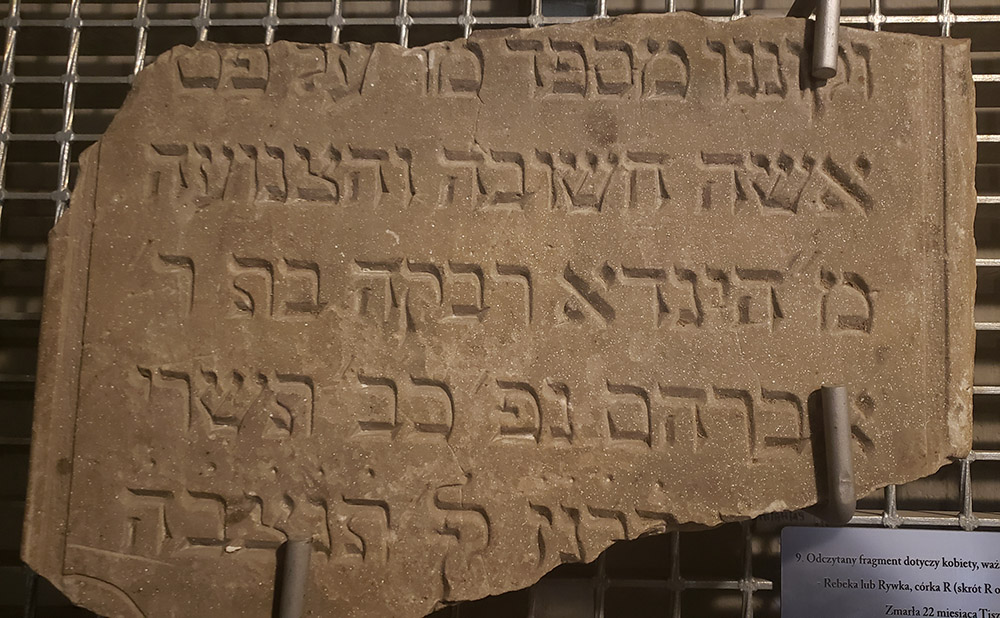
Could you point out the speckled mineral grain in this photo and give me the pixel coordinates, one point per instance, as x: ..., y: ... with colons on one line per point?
x: 462, y: 313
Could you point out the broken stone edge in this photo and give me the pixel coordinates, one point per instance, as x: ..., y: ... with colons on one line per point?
x: 63, y: 315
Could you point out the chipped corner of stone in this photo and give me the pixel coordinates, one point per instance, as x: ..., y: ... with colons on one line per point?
x: 149, y: 78
x: 36, y: 553
x: 45, y: 560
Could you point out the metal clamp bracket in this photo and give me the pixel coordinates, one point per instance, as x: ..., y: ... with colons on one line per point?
x: 824, y: 59
x: 841, y: 498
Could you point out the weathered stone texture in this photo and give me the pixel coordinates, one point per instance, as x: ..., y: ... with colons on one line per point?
x: 464, y: 312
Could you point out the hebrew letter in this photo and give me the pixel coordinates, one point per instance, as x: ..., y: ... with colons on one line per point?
x: 682, y: 408
x: 584, y: 297
x: 199, y: 68
x: 266, y: 415
x: 460, y: 72
x: 306, y: 519
x: 245, y: 68
x: 863, y: 55
x: 253, y: 285
x: 629, y: 414
x: 168, y: 399
x: 467, y: 282
x: 312, y: 174
x: 376, y: 297
x: 305, y: 274
x: 722, y: 189
x: 757, y: 296
x: 244, y: 527
x: 366, y: 537
x: 647, y: 186
x: 295, y: 394
x: 372, y: 177
x: 228, y: 402
x: 214, y: 169
x: 774, y: 183
x: 682, y: 298
x: 847, y: 303
x: 555, y: 536
x: 737, y: 67
x: 431, y: 408
x: 424, y: 293
x: 182, y: 267
x: 560, y: 422
x: 503, y: 181
x: 520, y: 411
x: 272, y: 183
x: 555, y: 543
x: 767, y: 70
x: 650, y: 281
x: 780, y: 424
x: 613, y: 67
x: 667, y: 73
x: 568, y: 74
x: 305, y: 63
x: 597, y: 528
x: 380, y: 410
x: 146, y: 531
x: 716, y: 296
x: 461, y: 185
x: 833, y: 188
x: 346, y: 67
x: 535, y: 49
x: 469, y: 527
x: 579, y: 182
x: 173, y: 175
x: 200, y: 518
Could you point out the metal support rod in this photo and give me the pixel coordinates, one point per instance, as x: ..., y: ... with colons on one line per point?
x: 294, y: 579
x: 841, y: 501
x: 825, y: 32
x: 824, y: 64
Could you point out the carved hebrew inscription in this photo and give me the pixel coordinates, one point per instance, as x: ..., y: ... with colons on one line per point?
x: 458, y: 314
x: 511, y: 181
x: 407, y: 295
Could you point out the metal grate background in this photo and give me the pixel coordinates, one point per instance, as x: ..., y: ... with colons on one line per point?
x: 66, y: 69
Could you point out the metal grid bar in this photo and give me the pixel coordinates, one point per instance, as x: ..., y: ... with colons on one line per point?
x: 70, y: 77
x: 7, y: 90
x: 875, y: 21
x: 965, y: 517
x: 202, y: 22
x: 141, y: 23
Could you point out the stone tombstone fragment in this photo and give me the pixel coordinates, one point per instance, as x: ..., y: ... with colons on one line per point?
x: 461, y: 313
